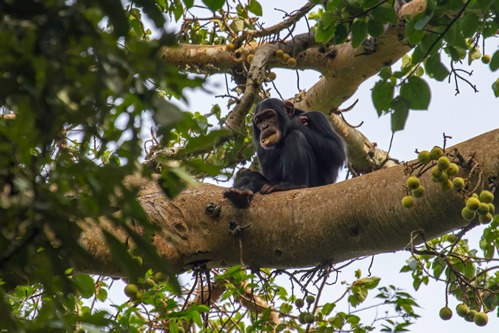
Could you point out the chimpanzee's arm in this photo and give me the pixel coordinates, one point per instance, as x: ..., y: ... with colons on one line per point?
x: 295, y: 166
x: 327, y: 146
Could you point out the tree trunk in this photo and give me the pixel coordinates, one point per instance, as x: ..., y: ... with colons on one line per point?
x: 305, y: 227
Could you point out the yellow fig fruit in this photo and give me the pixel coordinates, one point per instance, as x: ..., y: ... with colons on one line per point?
x: 443, y: 163
x: 468, y: 214
x: 452, y: 170
x: 462, y: 310
x: 485, y: 219
x: 446, y: 185
x: 472, y: 203
x: 291, y: 62
x: 436, y: 153
x: 492, y: 208
x: 131, y: 290
x: 299, y: 302
x: 481, y: 319
x: 471, y: 315
x: 418, y: 192
x: 445, y: 313
x: 408, y: 201
x: 412, y: 183
x: 458, y: 183
x: 483, y: 208
x: 424, y: 157
x: 310, y: 299
x: 486, y: 196
x: 452, y: 238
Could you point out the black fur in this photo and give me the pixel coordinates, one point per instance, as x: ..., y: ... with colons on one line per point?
x: 309, y: 153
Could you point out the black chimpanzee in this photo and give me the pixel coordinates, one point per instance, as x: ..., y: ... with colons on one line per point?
x: 296, y: 149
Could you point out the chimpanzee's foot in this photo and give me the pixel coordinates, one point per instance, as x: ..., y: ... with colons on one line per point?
x: 240, y: 197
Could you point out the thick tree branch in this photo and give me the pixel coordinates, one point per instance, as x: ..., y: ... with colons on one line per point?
x: 307, y: 227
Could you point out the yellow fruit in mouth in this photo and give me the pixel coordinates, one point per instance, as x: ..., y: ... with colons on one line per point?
x: 270, y: 139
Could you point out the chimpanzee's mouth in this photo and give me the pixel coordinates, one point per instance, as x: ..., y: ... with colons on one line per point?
x: 269, y: 139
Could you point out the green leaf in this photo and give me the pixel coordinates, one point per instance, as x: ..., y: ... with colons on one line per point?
x: 485, y: 5
x: 473, y: 55
x: 386, y: 13
x: 341, y: 33
x: 417, y: 56
x: 324, y: 35
x: 167, y: 114
x: 85, y: 285
x: 328, y: 308
x: 421, y: 22
x: 178, y: 10
x: 456, y: 53
x: 435, y: 69
x: 188, y: 3
x: 494, y: 62
x: 152, y: 11
x: 417, y: 92
x: 375, y: 27
x: 382, y: 95
x: 413, y: 36
x: 469, y: 24
x: 359, y: 32
x: 121, y: 257
x: 102, y: 294
x: 328, y: 19
x: 385, y: 73
x: 400, y: 107
x: 202, y: 166
x: 431, y: 42
x: 455, y: 37
x: 214, y: 5
x: 205, y: 141
x: 117, y: 17
x: 326, y: 28
x: 370, y: 282
x: 255, y: 7
x: 151, y: 257
x: 495, y: 89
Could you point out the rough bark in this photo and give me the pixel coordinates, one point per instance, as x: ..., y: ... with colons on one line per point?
x: 306, y: 227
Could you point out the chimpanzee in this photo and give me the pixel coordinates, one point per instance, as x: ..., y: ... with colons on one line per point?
x: 296, y: 149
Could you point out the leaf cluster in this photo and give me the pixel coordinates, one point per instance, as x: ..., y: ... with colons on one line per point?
x: 80, y: 79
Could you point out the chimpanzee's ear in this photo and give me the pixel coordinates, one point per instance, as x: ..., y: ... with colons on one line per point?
x: 290, y: 108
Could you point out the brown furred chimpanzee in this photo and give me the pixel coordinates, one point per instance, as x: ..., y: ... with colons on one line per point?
x: 296, y: 149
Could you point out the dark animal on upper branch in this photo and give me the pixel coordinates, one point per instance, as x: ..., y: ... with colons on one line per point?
x: 296, y: 149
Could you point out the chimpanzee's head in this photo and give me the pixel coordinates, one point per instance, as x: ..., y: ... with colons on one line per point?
x: 271, y: 121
